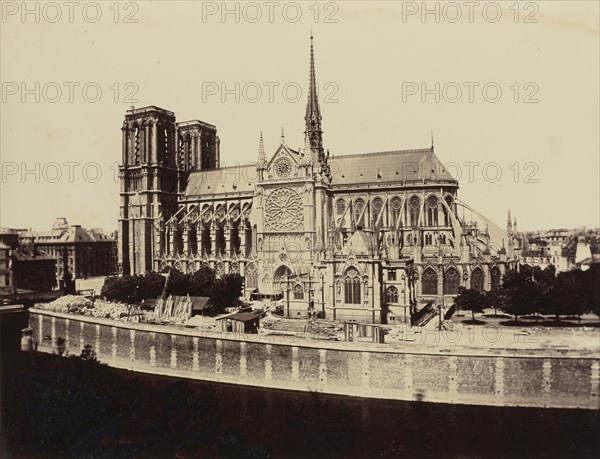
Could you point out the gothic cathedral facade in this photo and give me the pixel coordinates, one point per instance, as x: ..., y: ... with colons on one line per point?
x: 370, y: 237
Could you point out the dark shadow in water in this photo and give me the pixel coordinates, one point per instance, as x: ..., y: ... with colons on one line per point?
x: 67, y: 407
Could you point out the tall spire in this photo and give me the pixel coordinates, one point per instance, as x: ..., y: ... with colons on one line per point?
x: 509, y: 223
x: 313, y: 131
x: 262, y: 158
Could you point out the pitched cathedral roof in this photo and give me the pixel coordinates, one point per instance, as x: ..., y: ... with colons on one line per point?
x: 225, y: 180
x: 388, y: 167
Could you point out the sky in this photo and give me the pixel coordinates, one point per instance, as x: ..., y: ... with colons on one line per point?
x: 510, y: 94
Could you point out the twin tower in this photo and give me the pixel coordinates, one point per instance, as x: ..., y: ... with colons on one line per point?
x: 158, y: 154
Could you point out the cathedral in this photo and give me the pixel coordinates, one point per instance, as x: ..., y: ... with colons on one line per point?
x: 370, y: 237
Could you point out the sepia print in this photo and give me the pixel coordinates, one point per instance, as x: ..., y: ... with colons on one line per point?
x: 327, y: 229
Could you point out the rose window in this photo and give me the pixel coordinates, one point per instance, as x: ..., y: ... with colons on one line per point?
x: 284, y: 209
x: 283, y: 167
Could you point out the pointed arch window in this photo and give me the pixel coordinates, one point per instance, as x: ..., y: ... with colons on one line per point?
x: 414, y: 205
x: 359, y: 205
x: 136, y: 146
x: 477, y: 280
x: 428, y: 239
x: 376, y: 207
x: 451, y: 281
x: 429, y: 282
x: 352, y: 287
x: 251, y: 276
x: 298, y: 292
x: 391, y: 295
x: 340, y: 206
x: 165, y: 144
x: 446, y: 213
x: 396, y: 204
x: 432, y: 213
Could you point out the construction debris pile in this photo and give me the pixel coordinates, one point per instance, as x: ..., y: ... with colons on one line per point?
x: 207, y: 324
x: 68, y: 303
x: 75, y: 304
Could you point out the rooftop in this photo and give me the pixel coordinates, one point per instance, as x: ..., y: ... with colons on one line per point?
x: 386, y: 167
x: 416, y: 165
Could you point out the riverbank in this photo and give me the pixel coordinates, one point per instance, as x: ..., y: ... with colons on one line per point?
x: 536, y: 377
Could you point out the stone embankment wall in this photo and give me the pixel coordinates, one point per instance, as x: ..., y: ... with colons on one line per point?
x: 544, y: 378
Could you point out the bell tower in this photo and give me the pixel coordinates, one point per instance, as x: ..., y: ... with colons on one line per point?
x: 149, y: 182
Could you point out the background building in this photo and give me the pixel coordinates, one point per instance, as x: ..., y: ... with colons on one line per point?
x: 565, y: 249
x: 89, y: 252
x: 23, y: 267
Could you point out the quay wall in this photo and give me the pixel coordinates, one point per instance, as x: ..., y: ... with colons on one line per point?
x: 542, y: 378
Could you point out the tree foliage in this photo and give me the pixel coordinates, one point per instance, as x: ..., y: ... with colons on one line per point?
x: 469, y: 299
x: 518, y: 295
x: 223, y: 292
x: 201, y: 281
x: 491, y: 299
x: 532, y: 290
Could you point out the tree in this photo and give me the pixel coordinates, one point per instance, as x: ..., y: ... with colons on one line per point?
x: 469, y: 300
x: 519, y: 294
x: 179, y: 283
x: 153, y: 284
x: 112, y: 289
x: 572, y: 285
x: 591, y: 288
x: 546, y: 276
x: 565, y: 296
x: 202, y: 281
x: 545, y: 280
x: 225, y: 292
x: 491, y: 299
x: 133, y: 288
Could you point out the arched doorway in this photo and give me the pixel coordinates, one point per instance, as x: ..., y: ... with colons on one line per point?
x: 280, y: 279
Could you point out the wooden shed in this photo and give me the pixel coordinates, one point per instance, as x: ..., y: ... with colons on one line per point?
x: 241, y: 322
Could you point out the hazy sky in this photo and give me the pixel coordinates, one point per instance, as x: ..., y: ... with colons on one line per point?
x: 540, y: 132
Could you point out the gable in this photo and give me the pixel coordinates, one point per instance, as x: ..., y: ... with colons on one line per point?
x: 284, y: 164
